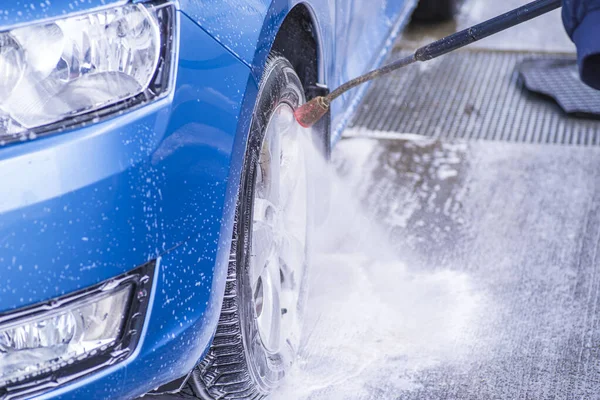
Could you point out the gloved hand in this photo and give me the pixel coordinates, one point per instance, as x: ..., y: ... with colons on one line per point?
x: 582, y: 22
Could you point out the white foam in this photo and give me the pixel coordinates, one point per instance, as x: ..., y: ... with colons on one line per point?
x: 372, y: 322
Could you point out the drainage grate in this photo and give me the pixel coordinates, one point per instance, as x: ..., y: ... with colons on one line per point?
x: 471, y: 95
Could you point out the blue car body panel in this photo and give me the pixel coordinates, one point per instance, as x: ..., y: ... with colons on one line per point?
x: 160, y: 182
x: 94, y: 202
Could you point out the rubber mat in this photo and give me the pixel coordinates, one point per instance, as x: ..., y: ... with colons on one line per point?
x: 560, y: 80
x: 471, y: 95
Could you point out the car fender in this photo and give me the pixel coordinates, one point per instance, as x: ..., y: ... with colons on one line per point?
x: 248, y: 28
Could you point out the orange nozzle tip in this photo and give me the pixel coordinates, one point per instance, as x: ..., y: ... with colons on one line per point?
x: 310, y: 113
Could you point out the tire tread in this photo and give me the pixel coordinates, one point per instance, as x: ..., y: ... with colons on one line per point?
x: 223, y: 371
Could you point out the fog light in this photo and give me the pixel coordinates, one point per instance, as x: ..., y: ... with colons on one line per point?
x: 38, y: 345
x: 49, y: 344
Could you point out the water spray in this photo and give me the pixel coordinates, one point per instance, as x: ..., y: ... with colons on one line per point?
x: 311, y: 112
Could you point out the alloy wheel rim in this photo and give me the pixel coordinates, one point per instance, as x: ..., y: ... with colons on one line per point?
x: 278, y: 252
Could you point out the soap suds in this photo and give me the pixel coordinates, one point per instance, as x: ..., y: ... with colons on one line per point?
x: 372, y: 322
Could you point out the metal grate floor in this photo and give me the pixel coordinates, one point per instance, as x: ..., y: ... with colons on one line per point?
x: 471, y: 95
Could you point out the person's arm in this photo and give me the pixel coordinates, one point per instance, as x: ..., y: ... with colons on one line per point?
x: 582, y: 22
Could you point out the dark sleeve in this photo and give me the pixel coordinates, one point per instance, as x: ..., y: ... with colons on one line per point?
x: 582, y: 22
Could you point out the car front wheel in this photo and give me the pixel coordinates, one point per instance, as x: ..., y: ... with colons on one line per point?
x: 258, y: 333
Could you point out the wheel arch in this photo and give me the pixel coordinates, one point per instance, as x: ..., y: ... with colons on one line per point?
x: 302, y: 33
x: 300, y: 40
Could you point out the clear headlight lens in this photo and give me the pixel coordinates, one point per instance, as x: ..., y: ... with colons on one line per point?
x: 53, y: 340
x: 72, y: 66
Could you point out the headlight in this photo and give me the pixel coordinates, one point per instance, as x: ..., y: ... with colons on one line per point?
x: 51, y: 343
x: 56, y: 71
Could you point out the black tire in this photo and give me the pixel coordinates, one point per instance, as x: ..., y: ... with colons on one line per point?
x: 237, y: 364
x: 435, y: 10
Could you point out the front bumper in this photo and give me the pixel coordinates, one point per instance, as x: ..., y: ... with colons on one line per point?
x: 156, y: 183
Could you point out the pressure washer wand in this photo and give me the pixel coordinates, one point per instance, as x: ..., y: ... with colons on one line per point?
x: 311, y: 112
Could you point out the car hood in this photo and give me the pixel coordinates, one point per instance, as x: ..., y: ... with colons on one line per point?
x: 18, y: 12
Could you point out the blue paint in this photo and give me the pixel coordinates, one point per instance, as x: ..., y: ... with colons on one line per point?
x: 87, y: 204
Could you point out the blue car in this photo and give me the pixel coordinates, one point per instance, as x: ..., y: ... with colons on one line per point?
x: 154, y: 193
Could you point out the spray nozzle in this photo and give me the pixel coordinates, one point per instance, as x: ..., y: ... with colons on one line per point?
x: 310, y: 113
